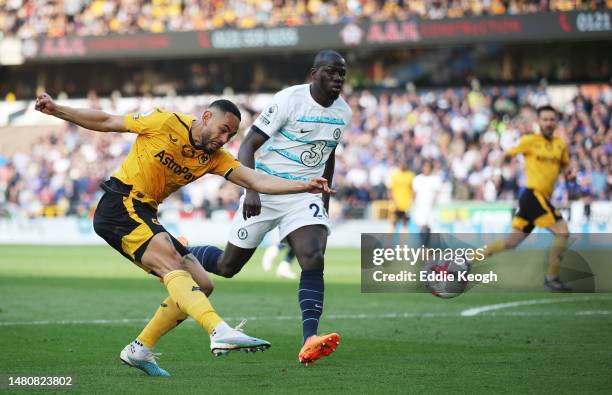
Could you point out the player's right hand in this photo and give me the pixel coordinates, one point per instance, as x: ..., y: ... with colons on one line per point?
x: 318, y: 185
x: 251, y: 207
x: 45, y: 104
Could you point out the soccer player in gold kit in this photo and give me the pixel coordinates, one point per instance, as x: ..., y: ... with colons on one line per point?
x: 171, y: 150
x: 546, y: 157
x: 402, y: 196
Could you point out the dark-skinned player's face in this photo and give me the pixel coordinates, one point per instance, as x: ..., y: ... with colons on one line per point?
x: 219, y: 128
x: 548, y: 123
x: 329, y: 78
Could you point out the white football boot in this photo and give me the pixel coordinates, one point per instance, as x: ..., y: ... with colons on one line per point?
x: 141, y: 357
x: 284, y: 271
x: 224, y: 339
x: 268, y: 257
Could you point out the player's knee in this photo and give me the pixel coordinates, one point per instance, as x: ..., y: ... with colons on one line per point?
x: 207, y: 288
x: 231, y: 262
x: 563, y: 231
x: 228, y: 271
x: 512, y: 243
x: 312, y: 260
x: 173, y: 261
x: 165, y: 269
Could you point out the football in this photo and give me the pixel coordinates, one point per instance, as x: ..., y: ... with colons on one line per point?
x: 446, y: 279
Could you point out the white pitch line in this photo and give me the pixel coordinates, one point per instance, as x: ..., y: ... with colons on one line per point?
x: 474, y: 311
x: 327, y: 317
x: 75, y: 322
x: 594, y: 312
x: 270, y: 318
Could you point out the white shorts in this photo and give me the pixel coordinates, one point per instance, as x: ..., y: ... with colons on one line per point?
x: 288, y: 212
x: 422, y: 215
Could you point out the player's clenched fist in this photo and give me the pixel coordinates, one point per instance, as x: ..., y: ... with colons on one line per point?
x: 319, y: 185
x: 251, y: 206
x: 45, y: 104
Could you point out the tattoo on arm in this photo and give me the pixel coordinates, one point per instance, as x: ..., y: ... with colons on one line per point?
x: 169, y: 240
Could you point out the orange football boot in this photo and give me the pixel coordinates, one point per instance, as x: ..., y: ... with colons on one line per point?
x: 317, y: 347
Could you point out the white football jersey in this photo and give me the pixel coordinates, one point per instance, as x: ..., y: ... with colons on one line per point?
x: 426, y: 188
x: 302, y: 133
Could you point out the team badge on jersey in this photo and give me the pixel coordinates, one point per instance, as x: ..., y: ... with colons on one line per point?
x: 188, y: 151
x: 203, y: 159
x: 337, y: 133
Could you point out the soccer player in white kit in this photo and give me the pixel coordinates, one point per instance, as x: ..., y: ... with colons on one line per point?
x: 426, y: 187
x: 301, y: 128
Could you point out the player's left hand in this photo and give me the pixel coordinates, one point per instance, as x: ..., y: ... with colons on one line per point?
x: 319, y: 185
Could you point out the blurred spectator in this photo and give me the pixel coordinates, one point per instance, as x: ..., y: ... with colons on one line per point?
x: 460, y: 130
x: 30, y: 18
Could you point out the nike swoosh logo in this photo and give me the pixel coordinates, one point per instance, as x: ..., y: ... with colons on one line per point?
x: 305, y: 131
x: 318, y: 306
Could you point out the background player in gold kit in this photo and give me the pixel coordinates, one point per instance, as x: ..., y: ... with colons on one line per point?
x: 171, y: 150
x: 546, y: 157
x: 400, y: 187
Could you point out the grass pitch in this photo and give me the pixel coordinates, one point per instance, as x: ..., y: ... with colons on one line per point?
x: 70, y: 310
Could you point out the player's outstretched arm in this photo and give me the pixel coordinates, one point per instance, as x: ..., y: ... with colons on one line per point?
x: 263, y: 183
x: 89, y: 119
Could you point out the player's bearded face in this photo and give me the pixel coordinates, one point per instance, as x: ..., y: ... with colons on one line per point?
x: 548, y: 123
x: 208, y: 146
x: 217, y: 131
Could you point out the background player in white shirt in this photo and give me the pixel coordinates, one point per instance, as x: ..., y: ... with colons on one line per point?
x: 302, y: 127
x: 426, y: 187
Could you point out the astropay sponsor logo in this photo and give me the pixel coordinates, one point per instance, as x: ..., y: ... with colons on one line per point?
x: 168, y: 161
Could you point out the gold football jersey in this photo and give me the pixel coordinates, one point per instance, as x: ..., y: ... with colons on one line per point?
x: 401, y: 189
x: 543, y: 161
x: 164, y: 158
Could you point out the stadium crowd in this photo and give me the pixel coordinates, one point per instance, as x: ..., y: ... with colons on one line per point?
x: 31, y: 18
x: 463, y: 133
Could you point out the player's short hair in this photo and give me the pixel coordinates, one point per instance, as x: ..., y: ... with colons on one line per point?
x: 325, y: 57
x: 546, y: 107
x: 226, y: 106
